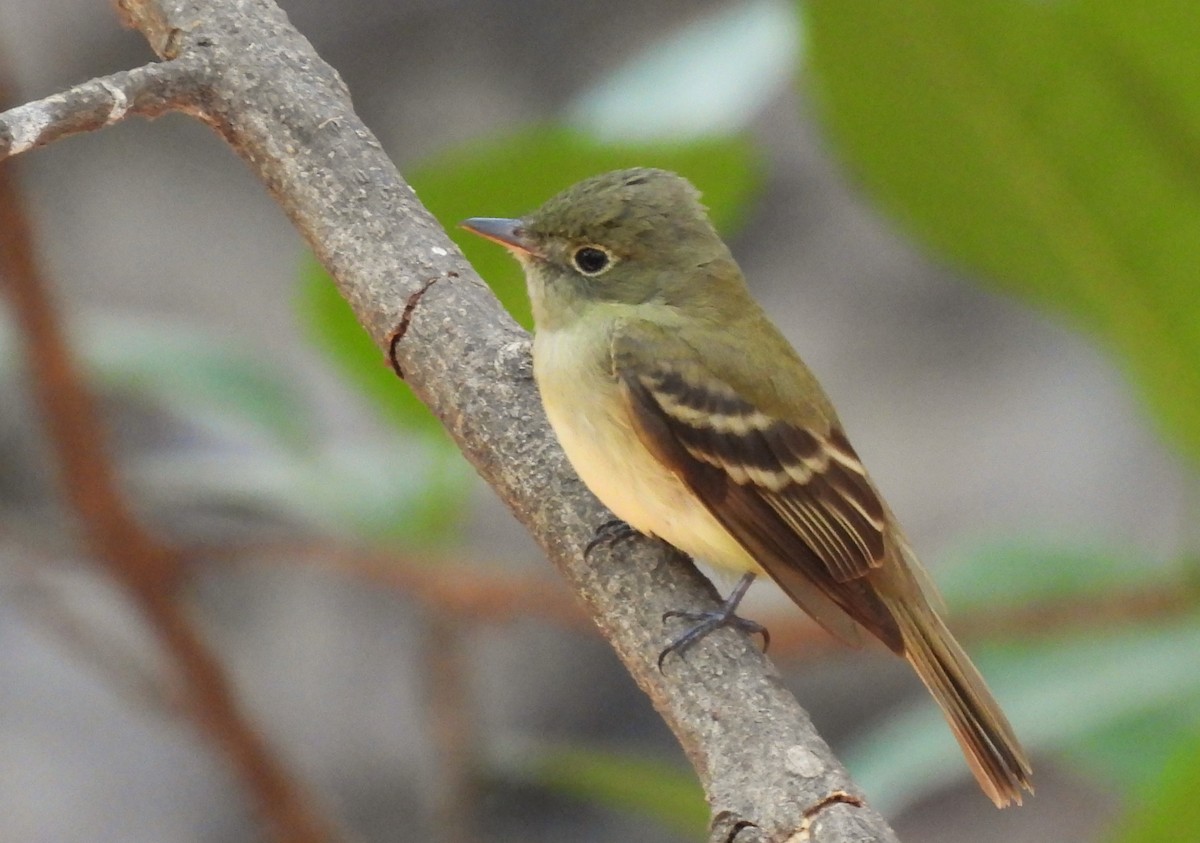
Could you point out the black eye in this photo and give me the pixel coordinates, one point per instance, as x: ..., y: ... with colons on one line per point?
x: 589, y: 260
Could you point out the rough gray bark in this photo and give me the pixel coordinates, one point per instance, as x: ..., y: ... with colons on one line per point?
x: 240, y: 66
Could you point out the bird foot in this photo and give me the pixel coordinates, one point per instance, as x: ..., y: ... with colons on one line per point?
x: 706, y: 622
x: 612, y: 533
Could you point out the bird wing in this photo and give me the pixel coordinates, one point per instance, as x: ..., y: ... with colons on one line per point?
x: 796, y: 498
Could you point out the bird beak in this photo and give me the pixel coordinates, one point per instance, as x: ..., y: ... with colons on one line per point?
x: 510, y: 234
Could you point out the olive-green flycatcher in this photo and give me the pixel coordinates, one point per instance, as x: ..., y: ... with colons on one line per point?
x: 690, y: 416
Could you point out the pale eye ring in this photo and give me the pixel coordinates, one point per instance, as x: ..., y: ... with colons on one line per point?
x: 591, y: 260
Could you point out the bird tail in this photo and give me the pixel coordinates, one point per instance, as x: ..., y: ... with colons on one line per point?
x: 982, y: 730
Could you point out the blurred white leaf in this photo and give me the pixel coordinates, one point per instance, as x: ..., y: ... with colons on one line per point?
x: 709, y: 78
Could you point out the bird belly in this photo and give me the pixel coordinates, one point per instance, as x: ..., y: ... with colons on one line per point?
x: 590, y: 420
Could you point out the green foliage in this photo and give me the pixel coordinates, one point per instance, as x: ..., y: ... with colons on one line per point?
x: 1168, y: 809
x: 331, y: 325
x: 1113, y: 699
x: 433, y: 486
x: 1080, y: 694
x: 627, y: 783
x: 1025, y: 574
x: 266, y: 457
x: 1051, y: 147
x: 196, y: 376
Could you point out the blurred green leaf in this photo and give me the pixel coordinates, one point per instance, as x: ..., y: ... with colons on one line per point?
x: 1059, y: 696
x: 1168, y: 809
x: 199, y: 377
x: 511, y: 176
x: 268, y: 457
x: 1132, y: 750
x: 1021, y: 573
x: 1114, y: 702
x: 435, y: 515
x: 433, y: 501
x: 629, y: 784
x: 331, y: 325
x: 384, y: 491
x: 392, y: 490
x: 1051, y: 147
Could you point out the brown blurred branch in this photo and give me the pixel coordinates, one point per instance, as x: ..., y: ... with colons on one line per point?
x: 474, y: 592
x: 460, y: 588
x: 145, y: 567
x: 452, y: 727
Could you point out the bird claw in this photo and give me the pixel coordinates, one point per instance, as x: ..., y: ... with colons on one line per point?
x: 612, y: 533
x: 707, y: 622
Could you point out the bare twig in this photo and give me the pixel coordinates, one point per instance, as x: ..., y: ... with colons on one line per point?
x: 145, y: 567
x: 145, y: 91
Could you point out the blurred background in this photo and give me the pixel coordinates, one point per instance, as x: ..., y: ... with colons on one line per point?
x: 977, y: 221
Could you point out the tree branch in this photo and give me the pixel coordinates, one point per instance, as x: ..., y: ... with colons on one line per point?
x: 145, y: 91
x: 767, y: 774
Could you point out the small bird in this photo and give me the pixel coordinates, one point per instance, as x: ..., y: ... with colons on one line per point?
x: 687, y: 413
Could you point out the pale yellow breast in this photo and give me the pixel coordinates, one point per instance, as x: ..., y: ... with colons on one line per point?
x: 586, y: 410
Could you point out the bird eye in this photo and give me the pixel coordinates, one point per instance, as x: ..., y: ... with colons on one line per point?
x: 591, y: 261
